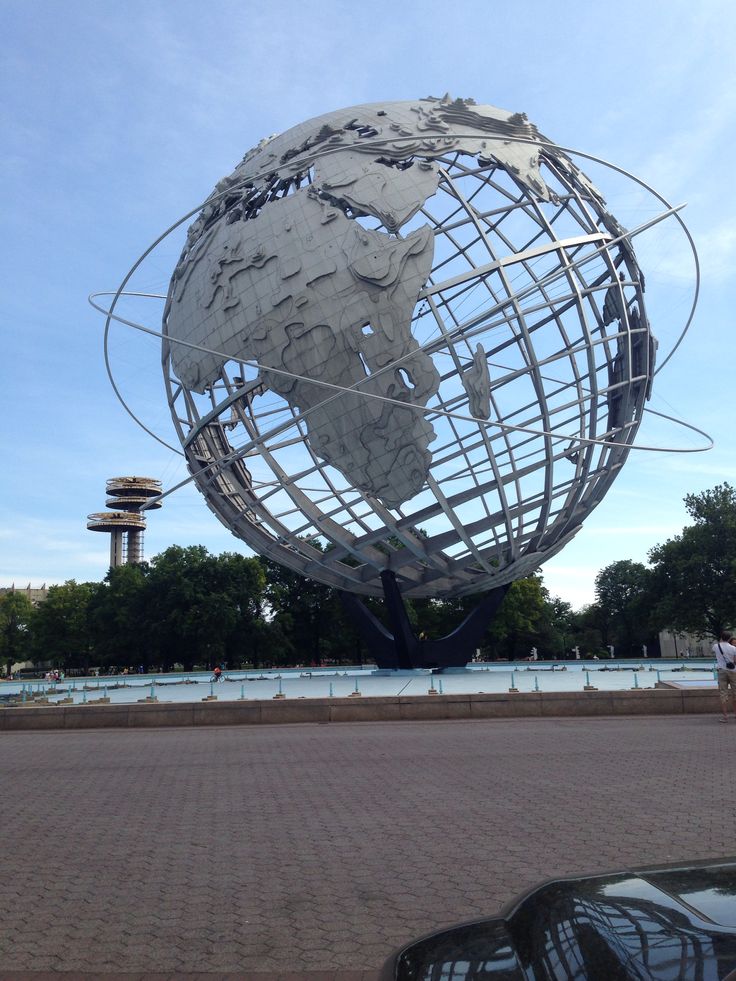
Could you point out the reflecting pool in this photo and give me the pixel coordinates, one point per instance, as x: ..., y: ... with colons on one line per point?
x: 549, y: 676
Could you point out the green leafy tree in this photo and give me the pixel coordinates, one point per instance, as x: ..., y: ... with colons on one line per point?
x: 624, y: 599
x: 117, y: 617
x: 16, y: 614
x: 694, y: 573
x: 268, y: 644
x: 60, y: 625
x: 241, y: 583
x: 588, y: 631
x: 186, y: 613
x: 201, y: 609
x: 309, y: 616
x: 555, y: 628
x: 516, y: 626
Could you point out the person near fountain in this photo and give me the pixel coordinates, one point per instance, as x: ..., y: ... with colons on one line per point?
x: 725, y: 655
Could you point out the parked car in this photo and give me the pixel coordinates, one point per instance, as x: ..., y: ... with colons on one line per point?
x: 665, y: 922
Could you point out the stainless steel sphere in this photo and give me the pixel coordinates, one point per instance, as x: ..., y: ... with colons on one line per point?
x: 407, y: 335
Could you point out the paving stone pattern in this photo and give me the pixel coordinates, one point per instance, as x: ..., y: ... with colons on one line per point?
x: 312, y: 851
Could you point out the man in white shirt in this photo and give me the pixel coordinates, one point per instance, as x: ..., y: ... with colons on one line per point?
x: 725, y: 655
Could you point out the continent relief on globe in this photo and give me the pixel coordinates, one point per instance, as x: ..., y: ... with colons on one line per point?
x: 300, y: 287
x: 309, y: 294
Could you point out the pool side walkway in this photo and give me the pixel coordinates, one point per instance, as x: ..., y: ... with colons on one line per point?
x: 309, y: 852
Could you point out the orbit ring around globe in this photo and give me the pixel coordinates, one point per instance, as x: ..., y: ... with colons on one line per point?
x: 387, y: 422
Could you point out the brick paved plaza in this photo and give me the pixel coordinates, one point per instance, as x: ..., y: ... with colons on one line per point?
x: 314, y: 850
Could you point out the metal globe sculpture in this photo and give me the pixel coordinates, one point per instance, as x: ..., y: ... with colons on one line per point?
x: 406, y: 349
x: 423, y: 320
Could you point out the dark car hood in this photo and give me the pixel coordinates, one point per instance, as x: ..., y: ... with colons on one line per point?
x: 654, y: 923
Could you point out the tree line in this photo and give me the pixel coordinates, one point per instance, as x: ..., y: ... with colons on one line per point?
x: 189, y: 608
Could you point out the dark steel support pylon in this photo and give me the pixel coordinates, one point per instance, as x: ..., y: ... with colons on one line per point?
x: 401, y: 648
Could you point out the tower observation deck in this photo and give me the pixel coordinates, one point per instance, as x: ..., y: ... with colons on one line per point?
x: 125, y: 524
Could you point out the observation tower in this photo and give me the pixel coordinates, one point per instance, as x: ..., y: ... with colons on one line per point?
x: 125, y: 524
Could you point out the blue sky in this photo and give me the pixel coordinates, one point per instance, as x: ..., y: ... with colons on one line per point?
x: 117, y: 118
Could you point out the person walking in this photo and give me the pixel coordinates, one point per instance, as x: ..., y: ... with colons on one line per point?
x: 725, y: 655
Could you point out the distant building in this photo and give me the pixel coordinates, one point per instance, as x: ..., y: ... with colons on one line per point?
x: 674, y: 644
x: 35, y: 596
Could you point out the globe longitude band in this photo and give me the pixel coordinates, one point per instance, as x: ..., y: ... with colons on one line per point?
x: 328, y: 281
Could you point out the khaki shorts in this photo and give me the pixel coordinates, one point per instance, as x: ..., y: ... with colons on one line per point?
x: 726, y: 680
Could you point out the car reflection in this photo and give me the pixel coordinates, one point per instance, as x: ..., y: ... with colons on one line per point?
x: 658, y: 923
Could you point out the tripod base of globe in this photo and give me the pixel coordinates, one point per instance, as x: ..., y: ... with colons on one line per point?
x: 400, y: 648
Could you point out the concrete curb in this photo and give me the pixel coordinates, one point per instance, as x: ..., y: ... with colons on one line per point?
x: 662, y: 701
